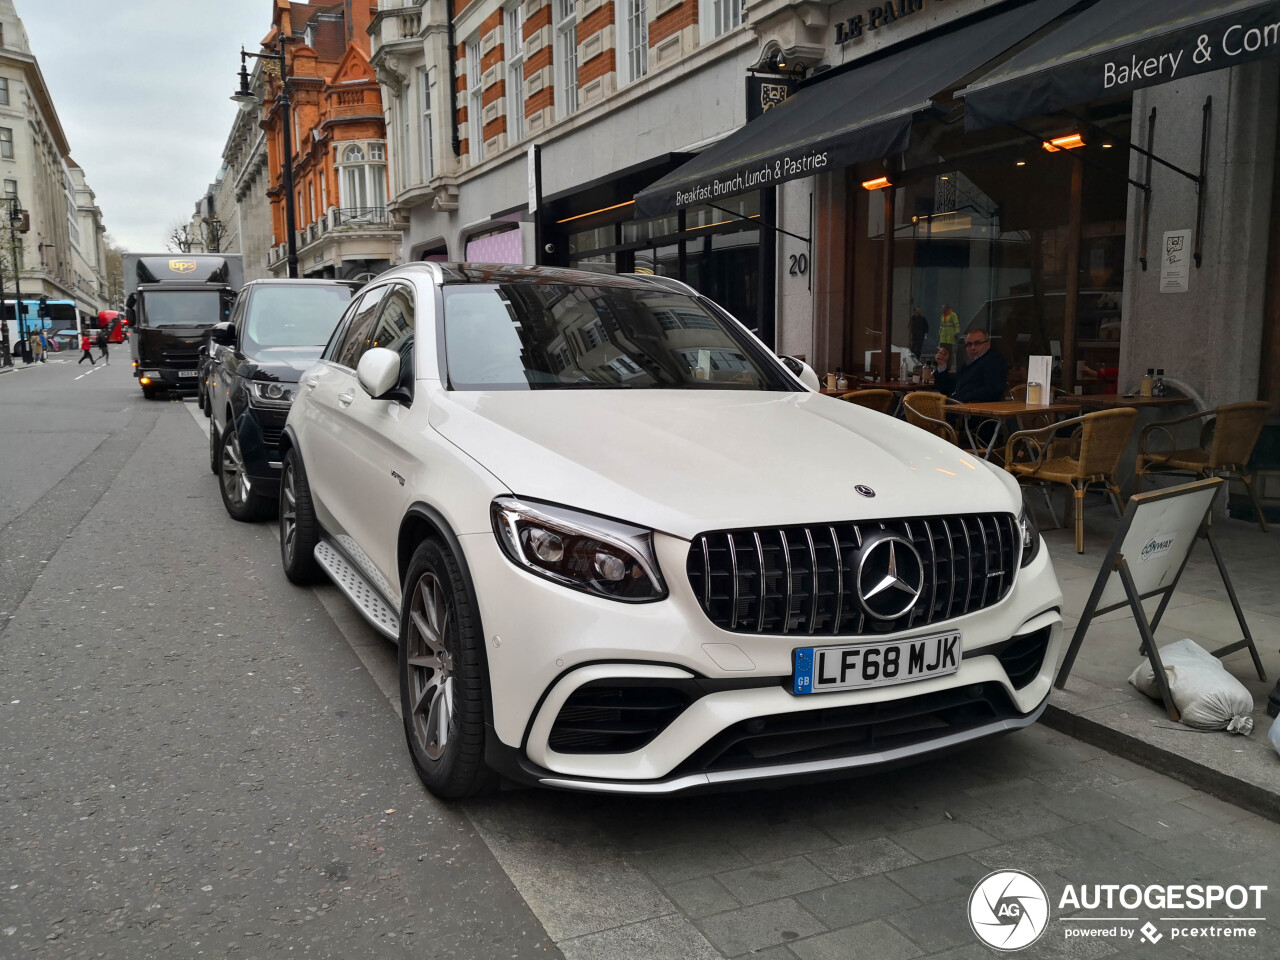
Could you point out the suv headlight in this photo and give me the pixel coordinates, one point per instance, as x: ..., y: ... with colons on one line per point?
x: 271, y: 393
x: 602, y: 557
x: 1030, y: 537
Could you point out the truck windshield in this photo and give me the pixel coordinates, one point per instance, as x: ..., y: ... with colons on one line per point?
x: 525, y: 336
x: 294, y: 315
x: 181, y: 308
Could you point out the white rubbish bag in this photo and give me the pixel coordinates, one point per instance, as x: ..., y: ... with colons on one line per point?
x: 1207, y: 696
x: 1274, y: 734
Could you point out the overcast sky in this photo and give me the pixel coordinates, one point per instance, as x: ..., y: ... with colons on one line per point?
x: 143, y: 89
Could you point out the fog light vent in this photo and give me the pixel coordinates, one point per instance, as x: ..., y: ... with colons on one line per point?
x: 608, y: 717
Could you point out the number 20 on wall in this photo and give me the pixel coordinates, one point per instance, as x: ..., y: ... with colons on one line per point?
x: 799, y: 264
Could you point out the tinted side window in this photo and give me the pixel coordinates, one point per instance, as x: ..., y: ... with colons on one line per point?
x: 394, y: 330
x: 355, y: 339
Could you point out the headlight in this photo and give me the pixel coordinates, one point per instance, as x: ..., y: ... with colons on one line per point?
x: 579, y: 550
x: 271, y: 393
x: 1030, y: 537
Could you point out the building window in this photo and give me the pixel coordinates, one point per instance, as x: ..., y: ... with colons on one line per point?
x: 6, y: 143
x: 428, y: 151
x: 513, y: 44
x: 719, y: 16
x: 475, y: 103
x: 311, y: 199
x: 566, y: 56
x: 11, y: 188
x: 324, y: 194
x: 363, y: 185
x: 636, y: 38
x: 4, y: 91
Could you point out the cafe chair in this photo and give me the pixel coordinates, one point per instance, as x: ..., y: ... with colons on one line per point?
x: 1090, y: 454
x: 1227, y: 438
x: 879, y: 400
x: 925, y: 409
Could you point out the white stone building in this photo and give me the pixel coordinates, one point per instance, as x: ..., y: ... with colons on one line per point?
x: 61, y: 255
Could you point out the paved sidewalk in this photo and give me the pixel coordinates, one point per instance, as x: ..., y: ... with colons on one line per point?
x: 1098, y: 704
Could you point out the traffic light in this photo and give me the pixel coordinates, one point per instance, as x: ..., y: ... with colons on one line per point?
x: 42, y: 311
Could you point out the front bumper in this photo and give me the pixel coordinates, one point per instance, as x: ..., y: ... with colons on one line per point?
x: 546, y: 645
x: 169, y: 378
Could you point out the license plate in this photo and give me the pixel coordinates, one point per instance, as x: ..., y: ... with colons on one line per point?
x: 188, y: 373
x: 855, y: 665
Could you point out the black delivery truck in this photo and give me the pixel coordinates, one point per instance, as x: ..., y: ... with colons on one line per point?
x: 172, y: 301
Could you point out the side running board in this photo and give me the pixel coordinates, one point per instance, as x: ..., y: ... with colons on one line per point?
x: 351, y: 581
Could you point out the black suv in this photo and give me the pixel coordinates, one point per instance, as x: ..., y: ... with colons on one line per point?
x: 277, y: 330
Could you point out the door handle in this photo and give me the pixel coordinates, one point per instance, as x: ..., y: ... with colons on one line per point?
x: 345, y: 399
x: 312, y: 381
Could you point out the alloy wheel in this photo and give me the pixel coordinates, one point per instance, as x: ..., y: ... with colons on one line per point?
x: 288, y: 512
x: 431, y: 678
x: 235, y: 481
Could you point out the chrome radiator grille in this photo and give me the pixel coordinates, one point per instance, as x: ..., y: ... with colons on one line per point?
x: 803, y: 580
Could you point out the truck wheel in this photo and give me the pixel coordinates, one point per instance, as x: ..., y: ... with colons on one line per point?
x: 442, y: 683
x: 299, y: 529
x: 238, y: 496
x: 148, y: 393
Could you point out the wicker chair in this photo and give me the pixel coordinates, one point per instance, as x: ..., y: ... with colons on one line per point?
x: 1091, y: 456
x: 879, y: 400
x: 925, y: 409
x: 1227, y: 439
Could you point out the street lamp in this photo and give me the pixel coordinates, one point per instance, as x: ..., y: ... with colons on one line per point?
x: 245, y: 95
x: 18, y: 223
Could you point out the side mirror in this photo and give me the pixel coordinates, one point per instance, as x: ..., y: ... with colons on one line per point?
x: 378, y: 371
x: 802, y: 372
x: 223, y: 334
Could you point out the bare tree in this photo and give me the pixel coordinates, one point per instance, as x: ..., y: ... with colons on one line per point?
x: 113, y: 269
x: 180, y: 239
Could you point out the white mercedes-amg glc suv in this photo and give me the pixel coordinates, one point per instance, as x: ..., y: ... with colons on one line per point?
x: 623, y: 548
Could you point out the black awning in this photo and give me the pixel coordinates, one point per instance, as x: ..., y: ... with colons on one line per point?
x: 855, y: 115
x: 1111, y: 49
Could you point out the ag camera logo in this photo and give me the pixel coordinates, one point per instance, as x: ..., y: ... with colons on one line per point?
x: 1008, y: 910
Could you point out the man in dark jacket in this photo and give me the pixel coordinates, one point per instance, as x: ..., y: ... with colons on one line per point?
x: 984, y: 379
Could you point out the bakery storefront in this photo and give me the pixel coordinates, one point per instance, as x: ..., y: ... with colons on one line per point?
x: 1088, y: 180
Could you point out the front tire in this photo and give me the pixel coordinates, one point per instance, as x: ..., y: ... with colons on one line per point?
x: 299, y: 529
x: 148, y: 393
x: 214, y: 445
x: 442, y: 683
x: 238, y: 495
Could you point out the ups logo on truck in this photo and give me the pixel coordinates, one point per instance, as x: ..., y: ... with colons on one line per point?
x: 182, y: 266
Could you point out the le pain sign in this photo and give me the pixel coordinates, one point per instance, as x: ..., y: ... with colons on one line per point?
x: 875, y: 17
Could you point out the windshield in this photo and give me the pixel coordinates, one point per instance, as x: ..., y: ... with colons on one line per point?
x: 294, y: 315
x: 525, y: 336
x: 181, y: 308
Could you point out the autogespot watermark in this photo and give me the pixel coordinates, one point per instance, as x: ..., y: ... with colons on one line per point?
x: 1009, y: 910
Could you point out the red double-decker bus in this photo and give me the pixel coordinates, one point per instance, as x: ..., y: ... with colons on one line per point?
x: 115, y: 323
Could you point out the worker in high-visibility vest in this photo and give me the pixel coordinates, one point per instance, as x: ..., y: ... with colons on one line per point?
x: 948, y: 329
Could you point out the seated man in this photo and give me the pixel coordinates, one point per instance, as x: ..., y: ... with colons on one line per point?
x: 983, y: 379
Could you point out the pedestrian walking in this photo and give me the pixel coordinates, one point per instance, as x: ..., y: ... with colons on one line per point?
x: 102, y: 345
x: 37, y: 347
x: 85, y: 346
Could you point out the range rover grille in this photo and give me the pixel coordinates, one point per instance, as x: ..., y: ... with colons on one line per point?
x: 803, y: 580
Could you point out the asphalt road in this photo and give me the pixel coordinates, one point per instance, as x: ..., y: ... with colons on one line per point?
x: 193, y: 760
x: 198, y: 759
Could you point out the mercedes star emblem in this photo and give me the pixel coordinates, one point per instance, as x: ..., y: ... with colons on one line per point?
x: 866, y: 491
x: 890, y: 576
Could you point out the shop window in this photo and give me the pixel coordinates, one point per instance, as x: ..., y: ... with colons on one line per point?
x: 495, y: 246
x: 566, y: 56
x: 636, y: 39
